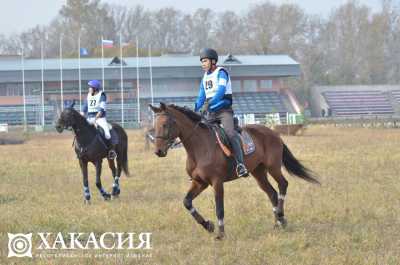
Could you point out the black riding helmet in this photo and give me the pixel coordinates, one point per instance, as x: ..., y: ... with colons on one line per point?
x: 209, y: 53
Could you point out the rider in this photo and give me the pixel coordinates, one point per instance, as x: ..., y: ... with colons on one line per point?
x: 215, y: 97
x: 94, y: 109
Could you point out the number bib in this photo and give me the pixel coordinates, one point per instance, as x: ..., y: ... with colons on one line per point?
x: 211, y: 82
x: 93, y: 102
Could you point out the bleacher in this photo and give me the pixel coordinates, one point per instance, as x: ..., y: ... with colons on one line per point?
x: 258, y: 103
x: 396, y: 95
x: 254, y: 102
x: 358, y: 102
x: 14, y: 114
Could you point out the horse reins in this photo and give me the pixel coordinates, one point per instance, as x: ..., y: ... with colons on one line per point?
x: 171, y: 142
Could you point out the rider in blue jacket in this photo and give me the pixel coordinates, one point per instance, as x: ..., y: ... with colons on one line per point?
x: 215, y: 97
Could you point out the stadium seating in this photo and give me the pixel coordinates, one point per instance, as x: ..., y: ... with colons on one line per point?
x: 258, y: 103
x: 358, y: 102
x: 396, y: 95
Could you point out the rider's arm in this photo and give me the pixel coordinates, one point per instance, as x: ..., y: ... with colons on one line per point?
x: 201, y: 98
x: 84, y: 108
x: 222, y: 81
x: 103, y: 100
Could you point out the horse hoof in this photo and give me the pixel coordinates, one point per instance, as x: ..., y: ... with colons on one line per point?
x: 107, y: 197
x: 86, y: 201
x: 115, y: 192
x: 115, y: 196
x: 280, y: 223
x: 210, y: 227
x: 220, y: 236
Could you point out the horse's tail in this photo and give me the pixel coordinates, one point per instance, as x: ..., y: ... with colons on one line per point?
x: 124, y: 150
x: 125, y: 160
x: 295, y: 168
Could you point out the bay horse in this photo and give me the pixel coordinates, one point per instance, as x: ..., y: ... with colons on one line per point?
x: 90, y: 147
x: 207, y: 165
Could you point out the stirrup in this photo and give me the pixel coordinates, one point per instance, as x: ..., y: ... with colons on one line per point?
x: 112, y: 154
x: 241, y: 171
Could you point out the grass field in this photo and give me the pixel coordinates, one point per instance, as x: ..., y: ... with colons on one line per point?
x: 353, y: 218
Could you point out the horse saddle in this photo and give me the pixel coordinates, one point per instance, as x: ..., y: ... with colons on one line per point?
x: 247, y: 143
x: 114, y: 136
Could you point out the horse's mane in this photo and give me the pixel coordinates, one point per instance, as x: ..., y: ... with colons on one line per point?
x: 79, y: 118
x: 193, y: 116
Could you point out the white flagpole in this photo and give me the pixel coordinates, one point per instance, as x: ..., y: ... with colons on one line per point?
x: 102, y: 62
x: 122, y: 79
x: 151, y: 83
x: 23, y: 86
x: 137, y: 81
x: 61, y: 76
x: 79, y: 72
x: 42, y: 72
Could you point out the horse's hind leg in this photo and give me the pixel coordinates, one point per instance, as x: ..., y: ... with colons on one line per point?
x: 105, y: 195
x: 116, y: 175
x: 276, y: 173
x: 260, y: 174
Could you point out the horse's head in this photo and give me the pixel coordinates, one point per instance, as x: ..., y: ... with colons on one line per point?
x: 67, y: 119
x: 166, y: 130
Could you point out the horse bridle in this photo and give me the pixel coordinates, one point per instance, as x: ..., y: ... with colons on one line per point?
x: 171, y: 141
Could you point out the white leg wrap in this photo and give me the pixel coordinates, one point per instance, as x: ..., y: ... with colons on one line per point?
x: 274, y: 209
x: 220, y: 222
x: 192, y: 210
x: 281, y: 197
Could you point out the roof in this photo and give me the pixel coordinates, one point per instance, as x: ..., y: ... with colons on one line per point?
x: 11, y: 64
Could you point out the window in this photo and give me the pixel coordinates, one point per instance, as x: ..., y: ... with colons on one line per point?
x: 265, y: 83
x: 236, y: 85
x: 250, y: 85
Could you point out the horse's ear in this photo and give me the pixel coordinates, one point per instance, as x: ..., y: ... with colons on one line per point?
x: 163, y: 106
x: 154, y: 109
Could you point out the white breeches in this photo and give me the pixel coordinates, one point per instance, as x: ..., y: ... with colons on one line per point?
x: 102, y: 122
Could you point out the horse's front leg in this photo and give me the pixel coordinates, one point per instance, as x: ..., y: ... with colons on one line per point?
x: 219, y: 207
x: 195, y: 189
x: 105, y: 195
x: 86, y: 191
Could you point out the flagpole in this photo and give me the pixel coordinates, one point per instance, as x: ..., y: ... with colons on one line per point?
x: 102, y: 62
x: 79, y: 72
x: 23, y: 86
x: 42, y: 73
x: 137, y: 81
x: 151, y: 83
x: 122, y: 79
x: 61, y: 76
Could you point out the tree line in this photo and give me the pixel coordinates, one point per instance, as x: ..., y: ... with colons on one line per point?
x: 353, y: 45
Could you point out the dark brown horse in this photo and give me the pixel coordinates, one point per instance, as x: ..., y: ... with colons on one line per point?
x: 90, y: 147
x: 207, y: 165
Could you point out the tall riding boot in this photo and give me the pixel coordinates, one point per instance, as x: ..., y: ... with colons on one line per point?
x: 241, y: 169
x: 111, y: 150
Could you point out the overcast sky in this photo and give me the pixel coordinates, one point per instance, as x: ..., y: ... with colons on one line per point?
x: 19, y: 15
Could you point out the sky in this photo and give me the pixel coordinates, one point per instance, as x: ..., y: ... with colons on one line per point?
x: 19, y: 15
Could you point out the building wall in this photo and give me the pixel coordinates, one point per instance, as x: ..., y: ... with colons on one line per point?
x: 166, y: 87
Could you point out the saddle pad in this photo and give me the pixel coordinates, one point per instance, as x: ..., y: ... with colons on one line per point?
x: 248, y: 145
x: 114, y: 137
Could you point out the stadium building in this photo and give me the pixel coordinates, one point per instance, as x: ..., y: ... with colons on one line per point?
x: 259, y: 82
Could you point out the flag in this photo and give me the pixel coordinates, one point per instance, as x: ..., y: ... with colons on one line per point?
x: 84, y: 52
x: 107, y: 43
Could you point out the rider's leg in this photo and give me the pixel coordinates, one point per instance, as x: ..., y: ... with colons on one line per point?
x: 102, y: 122
x: 226, y: 118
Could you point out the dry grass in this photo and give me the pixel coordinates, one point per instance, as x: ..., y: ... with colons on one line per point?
x: 353, y: 218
